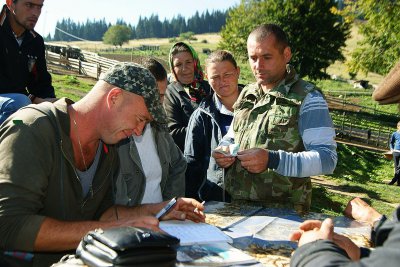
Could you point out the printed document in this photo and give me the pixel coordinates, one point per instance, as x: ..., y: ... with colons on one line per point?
x: 194, y: 233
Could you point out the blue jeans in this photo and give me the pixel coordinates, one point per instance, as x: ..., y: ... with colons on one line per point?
x: 10, y: 103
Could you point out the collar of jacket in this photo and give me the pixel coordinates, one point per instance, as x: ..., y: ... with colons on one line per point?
x: 63, y: 116
x: 6, y: 24
x: 209, y: 105
x: 178, y: 86
x: 3, y: 14
x: 64, y: 124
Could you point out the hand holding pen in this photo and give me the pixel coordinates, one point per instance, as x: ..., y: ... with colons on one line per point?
x: 181, y: 209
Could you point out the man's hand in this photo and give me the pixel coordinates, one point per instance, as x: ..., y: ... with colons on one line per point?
x: 312, y: 230
x: 186, y: 208
x: 148, y: 222
x: 222, y: 159
x: 359, y: 210
x: 345, y: 243
x: 254, y: 160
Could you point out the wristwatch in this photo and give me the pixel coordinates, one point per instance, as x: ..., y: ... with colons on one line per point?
x: 31, y: 97
x: 379, y: 221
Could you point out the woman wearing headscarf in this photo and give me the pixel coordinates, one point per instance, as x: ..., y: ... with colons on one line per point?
x: 185, y: 92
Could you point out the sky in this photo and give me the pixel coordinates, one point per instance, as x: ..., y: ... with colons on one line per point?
x: 128, y: 10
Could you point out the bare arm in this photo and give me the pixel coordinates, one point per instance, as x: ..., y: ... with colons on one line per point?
x: 118, y: 212
x: 55, y: 235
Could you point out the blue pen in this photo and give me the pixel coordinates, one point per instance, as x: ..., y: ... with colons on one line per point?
x: 167, y: 208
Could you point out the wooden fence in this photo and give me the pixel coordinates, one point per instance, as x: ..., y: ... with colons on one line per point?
x: 88, y: 63
x: 372, y: 137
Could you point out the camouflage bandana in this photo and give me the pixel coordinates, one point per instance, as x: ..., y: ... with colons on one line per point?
x: 138, y: 80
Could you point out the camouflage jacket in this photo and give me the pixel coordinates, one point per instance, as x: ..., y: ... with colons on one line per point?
x: 270, y: 121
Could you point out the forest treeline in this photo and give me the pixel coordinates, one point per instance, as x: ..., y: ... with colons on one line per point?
x: 151, y: 27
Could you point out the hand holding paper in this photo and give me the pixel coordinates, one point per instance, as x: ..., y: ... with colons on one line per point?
x: 225, y: 155
x: 230, y: 150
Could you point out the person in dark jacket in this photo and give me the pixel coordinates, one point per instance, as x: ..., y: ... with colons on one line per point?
x: 394, y: 145
x: 185, y: 92
x: 320, y: 246
x: 207, y: 125
x: 23, y: 72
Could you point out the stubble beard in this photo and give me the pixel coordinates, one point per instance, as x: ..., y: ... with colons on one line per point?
x: 24, y: 24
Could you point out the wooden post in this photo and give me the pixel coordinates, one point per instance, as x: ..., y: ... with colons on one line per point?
x: 351, y: 129
x: 98, y: 70
x: 343, y: 117
x: 80, y: 67
x: 379, y: 137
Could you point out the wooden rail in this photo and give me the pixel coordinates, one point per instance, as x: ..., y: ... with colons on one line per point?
x: 87, y: 63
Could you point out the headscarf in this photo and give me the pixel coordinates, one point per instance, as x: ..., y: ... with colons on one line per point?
x: 196, y: 92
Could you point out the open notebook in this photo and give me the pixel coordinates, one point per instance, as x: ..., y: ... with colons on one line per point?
x: 194, y: 233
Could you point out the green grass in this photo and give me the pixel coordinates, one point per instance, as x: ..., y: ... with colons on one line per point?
x: 333, y: 85
x: 71, y: 86
x: 360, y: 172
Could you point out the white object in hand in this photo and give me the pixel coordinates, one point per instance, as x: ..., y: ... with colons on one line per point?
x: 233, y: 149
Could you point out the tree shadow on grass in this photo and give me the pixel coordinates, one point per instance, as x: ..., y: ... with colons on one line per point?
x: 354, y: 190
x: 356, y: 164
x: 370, y: 193
x: 321, y: 201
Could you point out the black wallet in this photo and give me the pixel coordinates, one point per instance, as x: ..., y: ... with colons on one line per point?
x: 127, y: 246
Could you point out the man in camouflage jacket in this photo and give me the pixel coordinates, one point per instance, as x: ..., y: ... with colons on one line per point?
x: 283, y: 127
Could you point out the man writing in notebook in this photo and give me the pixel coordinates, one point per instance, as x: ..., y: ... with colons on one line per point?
x: 58, y: 168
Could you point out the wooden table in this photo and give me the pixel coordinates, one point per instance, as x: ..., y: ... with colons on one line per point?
x: 263, y: 232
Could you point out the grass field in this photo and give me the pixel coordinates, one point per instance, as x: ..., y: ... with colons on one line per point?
x: 359, y: 172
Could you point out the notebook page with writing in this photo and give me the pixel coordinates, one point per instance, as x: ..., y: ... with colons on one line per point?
x: 194, y: 233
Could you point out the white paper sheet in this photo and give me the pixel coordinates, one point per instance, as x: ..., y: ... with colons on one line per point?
x: 194, y: 233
